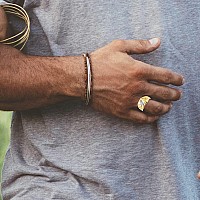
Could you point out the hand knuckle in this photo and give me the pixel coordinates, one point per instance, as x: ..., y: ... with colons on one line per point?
x: 158, y: 109
x: 165, y: 94
x: 168, y: 77
x: 140, y: 87
x: 138, y: 73
x: 142, y: 44
x: 118, y: 43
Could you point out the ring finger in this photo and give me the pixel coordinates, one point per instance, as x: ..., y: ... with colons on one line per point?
x: 157, y: 108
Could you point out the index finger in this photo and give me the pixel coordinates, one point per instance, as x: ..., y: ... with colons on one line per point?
x: 163, y: 75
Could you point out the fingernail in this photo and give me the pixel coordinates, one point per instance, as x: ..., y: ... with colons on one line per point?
x: 181, y: 94
x: 154, y: 41
x: 183, y: 81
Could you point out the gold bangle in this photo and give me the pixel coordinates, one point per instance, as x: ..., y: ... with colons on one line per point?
x: 21, y: 38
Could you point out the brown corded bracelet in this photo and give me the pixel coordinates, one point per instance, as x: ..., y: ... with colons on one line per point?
x: 88, y: 78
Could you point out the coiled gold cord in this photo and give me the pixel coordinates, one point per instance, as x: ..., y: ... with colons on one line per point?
x: 20, y: 39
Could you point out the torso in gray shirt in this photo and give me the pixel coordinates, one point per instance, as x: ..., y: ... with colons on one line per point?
x: 72, y: 152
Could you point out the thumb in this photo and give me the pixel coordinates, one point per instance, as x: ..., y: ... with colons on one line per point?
x: 137, y: 46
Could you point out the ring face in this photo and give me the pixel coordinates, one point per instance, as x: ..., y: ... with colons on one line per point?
x: 142, y: 102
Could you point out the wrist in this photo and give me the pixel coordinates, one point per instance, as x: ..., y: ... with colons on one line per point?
x: 74, y: 77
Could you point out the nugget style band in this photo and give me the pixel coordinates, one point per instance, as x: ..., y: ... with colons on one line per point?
x: 20, y: 39
x: 88, y: 78
x: 142, y: 102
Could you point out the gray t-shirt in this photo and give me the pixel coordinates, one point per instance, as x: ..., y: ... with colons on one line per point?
x: 72, y: 152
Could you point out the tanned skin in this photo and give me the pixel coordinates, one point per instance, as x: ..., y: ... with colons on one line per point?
x: 119, y: 81
x: 3, y: 24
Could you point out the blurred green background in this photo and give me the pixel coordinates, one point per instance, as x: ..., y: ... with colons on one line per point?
x: 5, y: 120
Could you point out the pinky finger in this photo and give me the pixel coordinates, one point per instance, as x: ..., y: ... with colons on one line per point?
x: 141, y: 117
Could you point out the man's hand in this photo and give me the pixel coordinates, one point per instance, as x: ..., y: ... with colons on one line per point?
x: 3, y: 24
x: 119, y: 81
x: 29, y: 82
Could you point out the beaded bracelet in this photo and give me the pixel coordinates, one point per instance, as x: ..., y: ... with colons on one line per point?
x: 21, y: 38
x: 88, y: 78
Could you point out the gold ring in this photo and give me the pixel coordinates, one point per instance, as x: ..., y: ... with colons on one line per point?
x: 142, y: 102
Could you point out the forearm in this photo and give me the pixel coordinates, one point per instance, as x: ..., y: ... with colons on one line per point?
x: 30, y: 82
x: 3, y: 24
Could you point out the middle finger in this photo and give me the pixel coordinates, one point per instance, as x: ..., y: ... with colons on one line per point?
x: 163, y: 93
